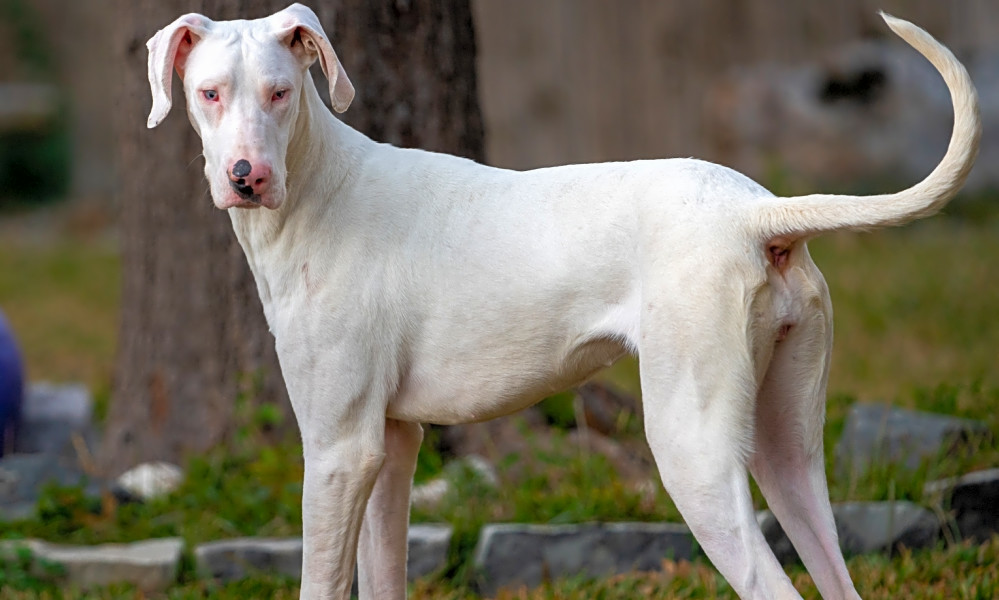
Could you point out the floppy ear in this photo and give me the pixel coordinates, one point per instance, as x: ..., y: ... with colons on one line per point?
x: 300, y: 29
x: 169, y: 48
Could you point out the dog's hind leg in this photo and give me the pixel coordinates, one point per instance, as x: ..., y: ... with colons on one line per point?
x: 788, y: 462
x: 698, y: 392
x: 383, y: 541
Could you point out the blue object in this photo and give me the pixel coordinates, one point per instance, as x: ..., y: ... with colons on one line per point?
x: 11, y: 386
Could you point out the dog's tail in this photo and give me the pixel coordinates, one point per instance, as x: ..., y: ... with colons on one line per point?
x: 801, y: 217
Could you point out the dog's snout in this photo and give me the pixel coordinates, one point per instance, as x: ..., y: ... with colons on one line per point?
x: 259, y: 177
x: 249, y: 180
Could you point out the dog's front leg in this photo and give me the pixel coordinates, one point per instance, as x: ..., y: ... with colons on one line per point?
x: 343, y: 439
x: 383, y: 545
x: 338, y: 481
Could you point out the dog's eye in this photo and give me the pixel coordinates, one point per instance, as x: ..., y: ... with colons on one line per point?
x: 210, y: 95
x: 279, y: 94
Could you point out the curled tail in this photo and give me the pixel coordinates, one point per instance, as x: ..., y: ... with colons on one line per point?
x: 806, y: 216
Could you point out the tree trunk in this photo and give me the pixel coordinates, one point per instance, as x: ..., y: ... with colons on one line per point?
x: 413, y: 66
x: 193, y: 337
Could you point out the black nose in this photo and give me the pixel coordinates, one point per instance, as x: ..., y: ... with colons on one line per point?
x: 241, y: 168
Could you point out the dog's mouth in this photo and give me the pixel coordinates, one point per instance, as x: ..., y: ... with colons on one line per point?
x: 244, y: 191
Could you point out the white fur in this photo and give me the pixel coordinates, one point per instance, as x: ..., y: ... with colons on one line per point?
x: 405, y: 287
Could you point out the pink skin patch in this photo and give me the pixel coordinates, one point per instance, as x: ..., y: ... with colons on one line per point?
x: 779, y: 256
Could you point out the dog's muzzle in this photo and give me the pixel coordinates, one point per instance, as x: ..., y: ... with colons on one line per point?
x: 237, y: 180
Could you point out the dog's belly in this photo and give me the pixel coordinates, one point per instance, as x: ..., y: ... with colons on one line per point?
x: 470, y: 388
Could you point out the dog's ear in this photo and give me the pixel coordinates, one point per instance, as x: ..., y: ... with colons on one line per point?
x: 168, y: 49
x: 299, y: 28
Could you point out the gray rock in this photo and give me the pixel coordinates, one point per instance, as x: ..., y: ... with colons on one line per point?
x: 874, y: 526
x: 50, y: 417
x: 475, y: 464
x: 513, y: 555
x: 150, y: 480
x: 237, y: 558
x: 776, y: 538
x: 864, y: 527
x: 428, y: 547
x: 22, y: 477
x: 430, y: 494
x: 972, y: 501
x: 880, y: 433
x: 150, y: 565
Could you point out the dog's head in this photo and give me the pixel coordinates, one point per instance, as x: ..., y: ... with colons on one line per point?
x: 244, y: 83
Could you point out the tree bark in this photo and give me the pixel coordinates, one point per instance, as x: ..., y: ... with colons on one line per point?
x: 193, y: 337
x: 412, y: 64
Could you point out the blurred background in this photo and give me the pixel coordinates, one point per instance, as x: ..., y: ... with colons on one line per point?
x: 99, y: 276
x: 744, y: 83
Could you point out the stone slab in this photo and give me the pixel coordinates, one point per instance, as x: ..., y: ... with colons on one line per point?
x: 515, y: 555
x: 971, y: 501
x: 864, y: 527
x: 23, y: 476
x: 51, y: 415
x: 881, y: 433
x: 428, y: 548
x: 237, y: 558
x: 150, y: 565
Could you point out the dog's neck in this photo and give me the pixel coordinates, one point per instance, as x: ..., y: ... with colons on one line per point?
x: 323, y: 160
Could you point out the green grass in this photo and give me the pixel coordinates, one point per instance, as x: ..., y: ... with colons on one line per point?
x: 914, y: 308
x: 62, y: 302
x: 916, y: 326
x: 958, y: 572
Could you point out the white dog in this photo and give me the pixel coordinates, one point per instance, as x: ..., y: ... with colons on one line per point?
x: 407, y: 287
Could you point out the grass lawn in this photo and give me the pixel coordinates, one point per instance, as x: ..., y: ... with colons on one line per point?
x: 62, y: 301
x: 960, y: 572
x: 916, y: 325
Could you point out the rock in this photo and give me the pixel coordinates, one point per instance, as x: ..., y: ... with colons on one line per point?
x: 433, y: 492
x: 430, y: 494
x: 22, y: 477
x: 972, y: 501
x: 514, y: 555
x: 864, y: 527
x: 237, y: 558
x: 873, y: 526
x: 475, y: 464
x: 428, y: 548
x: 776, y: 538
x: 150, y: 480
x: 880, y: 433
x: 151, y: 565
x: 51, y: 416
